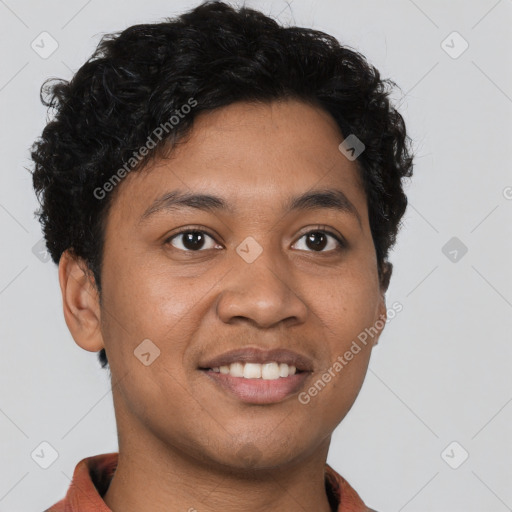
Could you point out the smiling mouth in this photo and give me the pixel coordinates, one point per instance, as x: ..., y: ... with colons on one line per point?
x: 260, y: 384
x: 256, y: 376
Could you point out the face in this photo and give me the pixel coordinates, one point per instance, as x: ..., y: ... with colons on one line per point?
x: 243, y: 271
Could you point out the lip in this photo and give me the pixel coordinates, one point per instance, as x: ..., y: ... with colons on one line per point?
x: 257, y: 355
x: 259, y: 391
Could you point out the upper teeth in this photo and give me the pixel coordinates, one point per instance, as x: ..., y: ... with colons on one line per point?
x: 267, y: 371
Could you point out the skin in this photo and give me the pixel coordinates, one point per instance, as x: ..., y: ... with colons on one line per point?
x: 182, y: 438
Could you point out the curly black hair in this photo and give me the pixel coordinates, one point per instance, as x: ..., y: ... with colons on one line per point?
x: 212, y: 55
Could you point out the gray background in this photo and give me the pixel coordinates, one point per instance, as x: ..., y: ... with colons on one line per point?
x: 441, y: 372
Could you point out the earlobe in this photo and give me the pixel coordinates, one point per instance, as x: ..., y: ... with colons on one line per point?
x: 80, y: 301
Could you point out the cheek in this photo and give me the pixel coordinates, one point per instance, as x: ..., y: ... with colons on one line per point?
x: 348, y: 312
x: 149, y: 311
x: 331, y: 394
x: 147, y: 331
x: 148, y: 303
x: 348, y: 306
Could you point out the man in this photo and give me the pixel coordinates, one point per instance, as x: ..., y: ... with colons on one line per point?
x: 220, y: 194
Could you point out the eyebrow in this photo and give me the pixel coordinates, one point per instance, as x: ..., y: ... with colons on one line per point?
x: 332, y: 199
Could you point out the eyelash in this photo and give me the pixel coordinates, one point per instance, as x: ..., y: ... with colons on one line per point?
x: 318, y: 229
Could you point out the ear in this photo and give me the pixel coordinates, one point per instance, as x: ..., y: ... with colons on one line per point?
x: 385, y: 276
x: 80, y: 300
x: 382, y: 314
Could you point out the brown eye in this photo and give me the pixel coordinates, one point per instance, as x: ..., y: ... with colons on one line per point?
x: 319, y: 240
x: 191, y: 240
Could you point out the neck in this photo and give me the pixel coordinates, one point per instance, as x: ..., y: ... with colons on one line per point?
x: 151, y: 472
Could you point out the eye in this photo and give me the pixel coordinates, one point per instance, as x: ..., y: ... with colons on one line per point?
x: 191, y: 240
x: 196, y: 240
x: 318, y: 240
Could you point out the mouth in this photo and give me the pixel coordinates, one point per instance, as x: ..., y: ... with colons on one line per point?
x: 259, y: 377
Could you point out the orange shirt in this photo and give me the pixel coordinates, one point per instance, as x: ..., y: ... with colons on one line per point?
x: 92, y: 477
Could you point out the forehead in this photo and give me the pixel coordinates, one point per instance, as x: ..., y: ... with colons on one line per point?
x: 255, y: 155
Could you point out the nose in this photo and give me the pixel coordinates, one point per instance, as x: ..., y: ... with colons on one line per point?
x: 263, y: 293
